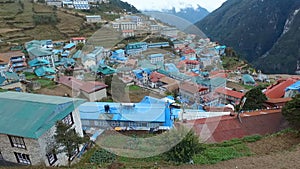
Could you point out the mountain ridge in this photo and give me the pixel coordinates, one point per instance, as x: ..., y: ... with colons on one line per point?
x: 180, y: 19
x: 252, y: 28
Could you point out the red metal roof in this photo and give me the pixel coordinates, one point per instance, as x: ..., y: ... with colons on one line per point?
x: 222, y: 75
x: 78, y: 38
x: 228, y: 92
x: 155, y: 76
x: 188, y: 50
x: 277, y: 90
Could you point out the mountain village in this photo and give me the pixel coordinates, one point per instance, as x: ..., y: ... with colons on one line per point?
x: 135, y: 74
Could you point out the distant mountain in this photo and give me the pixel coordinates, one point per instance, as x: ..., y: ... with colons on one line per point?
x: 265, y: 32
x: 181, y: 19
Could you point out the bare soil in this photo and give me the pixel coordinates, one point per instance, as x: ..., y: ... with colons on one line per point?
x: 59, y: 90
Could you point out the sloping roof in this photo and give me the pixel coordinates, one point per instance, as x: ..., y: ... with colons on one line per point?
x: 77, y: 38
x: 70, y: 45
x: 38, y: 62
x: 148, y: 110
x: 228, y: 92
x: 106, y: 70
x: 295, y: 86
x: 86, y: 86
x: 155, y: 76
x: 277, y: 90
x: 2, y: 79
x: 12, y: 76
x: 31, y: 115
x: 43, y: 71
x: 5, y: 57
x: 167, y: 80
x: 248, y: 78
x: 191, y: 87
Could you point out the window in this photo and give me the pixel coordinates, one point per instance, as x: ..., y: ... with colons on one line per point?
x: 17, y: 142
x: 68, y: 119
x: 51, y: 158
x: 74, y: 153
x: 22, y: 158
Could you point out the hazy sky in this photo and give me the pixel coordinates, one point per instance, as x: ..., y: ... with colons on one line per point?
x: 210, y: 5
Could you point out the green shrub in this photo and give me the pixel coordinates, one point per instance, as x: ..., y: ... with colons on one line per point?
x: 40, y: 19
x: 212, y: 155
x: 102, y: 156
x: 251, y: 139
x: 229, y: 143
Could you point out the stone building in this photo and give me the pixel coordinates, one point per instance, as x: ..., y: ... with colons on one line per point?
x: 27, y: 127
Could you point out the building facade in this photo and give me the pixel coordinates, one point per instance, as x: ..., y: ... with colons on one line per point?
x: 28, y: 127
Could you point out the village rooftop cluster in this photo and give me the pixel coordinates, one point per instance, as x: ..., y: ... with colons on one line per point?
x: 171, y: 63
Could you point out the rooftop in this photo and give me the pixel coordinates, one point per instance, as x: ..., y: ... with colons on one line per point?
x: 86, y: 86
x: 149, y: 110
x: 192, y: 87
x: 228, y: 92
x: 5, y: 57
x: 277, y: 90
x: 31, y: 115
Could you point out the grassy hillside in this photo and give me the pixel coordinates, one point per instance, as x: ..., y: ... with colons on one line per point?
x: 23, y: 20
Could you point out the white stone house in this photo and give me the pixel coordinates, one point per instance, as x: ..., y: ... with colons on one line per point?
x: 93, y: 18
x: 156, y: 58
x: 28, y: 127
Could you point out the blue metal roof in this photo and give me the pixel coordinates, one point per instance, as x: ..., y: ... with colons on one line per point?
x: 295, y: 86
x: 156, y: 55
x: 70, y: 45
x: 148, y: 110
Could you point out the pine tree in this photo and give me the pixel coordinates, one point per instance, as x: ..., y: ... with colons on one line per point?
x: 291, y: 111
x: 67, y: 140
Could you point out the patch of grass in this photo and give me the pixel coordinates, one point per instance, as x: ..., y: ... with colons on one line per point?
x: 85, y: 159
x: 134, y: 88
x: 285, y: 131
x: 46, y: 83
x: 3, y: 90
x: 221, y: 152
x: 248, y: 87
x: 30, y: 76
x: 250, y: 139
x: 226, y: 150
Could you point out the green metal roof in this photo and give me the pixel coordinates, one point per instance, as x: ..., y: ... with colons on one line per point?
x: 43, y: 71
x: 31, y: 115
x: 11, y: 76
x: 106, y: 70
x: 2, y: 79
x: 248, y: 78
